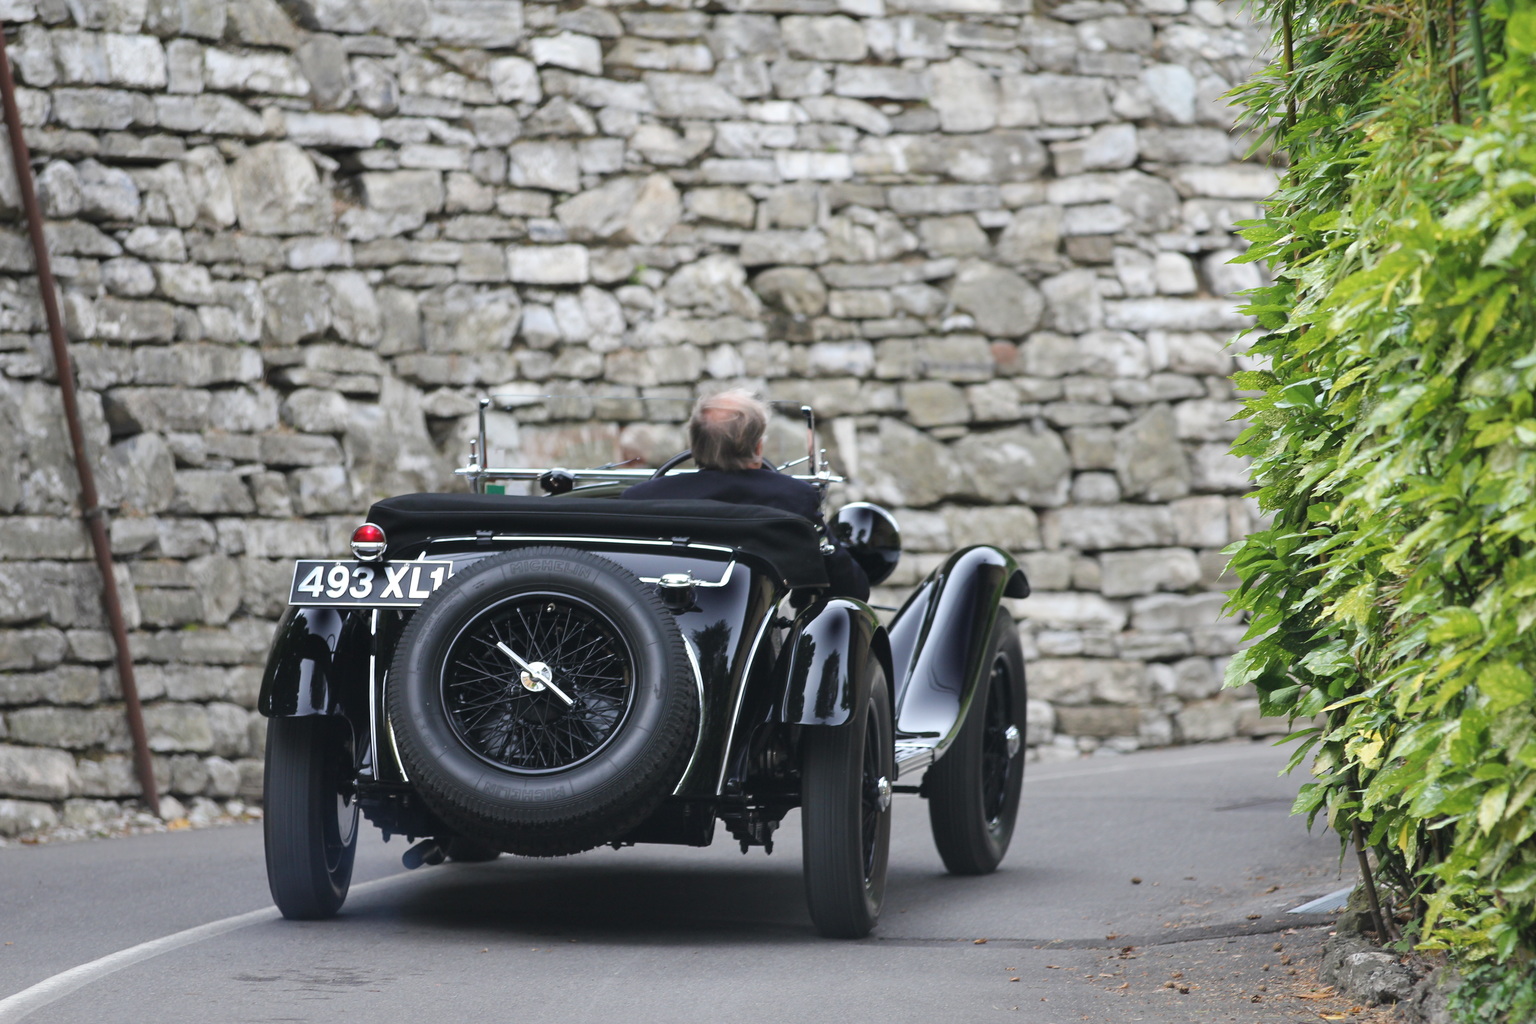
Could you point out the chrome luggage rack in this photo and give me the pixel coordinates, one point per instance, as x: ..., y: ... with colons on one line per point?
x: 479, y: 474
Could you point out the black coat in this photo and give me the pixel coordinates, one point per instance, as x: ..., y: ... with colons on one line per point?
x: 763, y: 487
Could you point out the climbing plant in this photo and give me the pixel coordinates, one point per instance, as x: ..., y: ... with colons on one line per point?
x: 1392, y: 598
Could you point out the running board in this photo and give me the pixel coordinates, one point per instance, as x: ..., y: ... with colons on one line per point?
x: 913, y: 756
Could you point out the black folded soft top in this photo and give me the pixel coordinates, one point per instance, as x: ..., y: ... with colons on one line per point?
x: 785, y: 541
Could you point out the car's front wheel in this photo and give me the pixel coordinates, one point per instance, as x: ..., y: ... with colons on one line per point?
x: 973, y: 790
x: 845, y: 815
x: 309, y: 816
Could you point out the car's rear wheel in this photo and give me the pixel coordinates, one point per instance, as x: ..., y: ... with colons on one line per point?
x: 309, y: 815
x: 543, y: 701
x: 846, y: 774
x: 973, y: 790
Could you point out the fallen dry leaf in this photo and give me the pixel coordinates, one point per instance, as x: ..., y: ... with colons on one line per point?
x: 1326, y: 993
x: 978, y: 942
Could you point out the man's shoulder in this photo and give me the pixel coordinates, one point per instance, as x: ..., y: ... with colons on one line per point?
x: 653, y: 488
x: 786, y: 488
x: 749, y: 486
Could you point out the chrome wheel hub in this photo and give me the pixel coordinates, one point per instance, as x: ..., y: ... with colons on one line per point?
x: 538, y: 676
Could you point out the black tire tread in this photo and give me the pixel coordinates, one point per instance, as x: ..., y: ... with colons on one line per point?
x: 626, y: 800
x: 833, y: 859
x: 293, y: 821
x: 953, y: 784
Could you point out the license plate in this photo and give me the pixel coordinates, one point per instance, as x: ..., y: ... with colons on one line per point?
x: 336, y: 583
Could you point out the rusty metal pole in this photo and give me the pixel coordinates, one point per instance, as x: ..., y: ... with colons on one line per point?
x: 91, y: 510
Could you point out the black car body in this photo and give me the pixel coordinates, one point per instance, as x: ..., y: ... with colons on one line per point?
x: 682, y: 666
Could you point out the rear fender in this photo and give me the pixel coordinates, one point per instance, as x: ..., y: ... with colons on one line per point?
x: 821, y: 672
x: 939, y: 639
x: 318, y: 664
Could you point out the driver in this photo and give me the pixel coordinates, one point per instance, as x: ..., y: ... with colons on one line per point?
x: 726, y: 434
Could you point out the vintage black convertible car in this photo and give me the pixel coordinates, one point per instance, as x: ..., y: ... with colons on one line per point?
x: 542, y: 675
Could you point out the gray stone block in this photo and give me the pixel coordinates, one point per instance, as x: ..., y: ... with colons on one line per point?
x: 1133, y: 573
x: 630, y: 210
x: 277, y: 191
x: 28, y: 649
x: 203, y: 19
x: 1019, y: 464
x: 798, y: 291
x: 1116, y: 527
x: 19, y: 817
x: 211, y: 492
x: 1002, y: 303
x: 271, y: 73
x: 1102, y: 722
x: 1171, y: 611
x: 1208, y: 721
x: 178, y: 727
x: 66, y: 729
x: 208, y: 113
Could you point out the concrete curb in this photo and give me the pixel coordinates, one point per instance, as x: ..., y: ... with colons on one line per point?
x: 1363, y: 970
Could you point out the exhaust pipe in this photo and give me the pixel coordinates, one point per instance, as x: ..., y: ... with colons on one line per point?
x: 428, y: 851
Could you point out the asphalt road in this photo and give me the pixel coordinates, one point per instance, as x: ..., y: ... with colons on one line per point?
x: 1125, y: 872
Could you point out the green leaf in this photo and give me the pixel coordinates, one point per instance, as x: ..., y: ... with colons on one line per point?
x: 1517, y: 880
x: 1520, y: 30
x: 1253, y: 380
x: 1490, y: 810
x: 1309, y: 798
x: 1455, y: 624
x: 1506, y: 685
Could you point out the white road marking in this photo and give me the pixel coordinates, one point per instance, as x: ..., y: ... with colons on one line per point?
x: 50, y: 990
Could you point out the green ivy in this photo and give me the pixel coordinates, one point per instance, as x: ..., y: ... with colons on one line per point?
x: 1392, y: 598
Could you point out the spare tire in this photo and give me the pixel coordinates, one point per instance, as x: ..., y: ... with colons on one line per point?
x: 543, y: 701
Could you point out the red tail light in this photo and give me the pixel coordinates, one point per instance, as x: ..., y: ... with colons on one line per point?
x: 368, y: 543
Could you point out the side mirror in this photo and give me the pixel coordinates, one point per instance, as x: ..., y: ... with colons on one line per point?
x: 871, y: 536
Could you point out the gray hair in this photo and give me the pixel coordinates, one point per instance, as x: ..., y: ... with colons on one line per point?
x: 725, y: 428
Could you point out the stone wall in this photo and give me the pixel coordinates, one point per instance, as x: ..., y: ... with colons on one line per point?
x: 988, y: 239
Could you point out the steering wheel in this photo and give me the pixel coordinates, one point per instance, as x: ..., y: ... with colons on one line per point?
x: 672, y: 463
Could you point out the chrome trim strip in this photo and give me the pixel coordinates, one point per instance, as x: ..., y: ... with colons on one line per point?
x: 741, y: 696
x: 698, y: 743
x: 389, y: 727
x: 722, y: 581
x: 613, y: 541
x: 913, y: 756
x: 478, y: 472
x: 373, y: 695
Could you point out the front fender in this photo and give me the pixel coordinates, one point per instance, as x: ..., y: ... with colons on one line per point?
x: 939, y: 639
x: 318, y: 664
x: 821, y: 672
